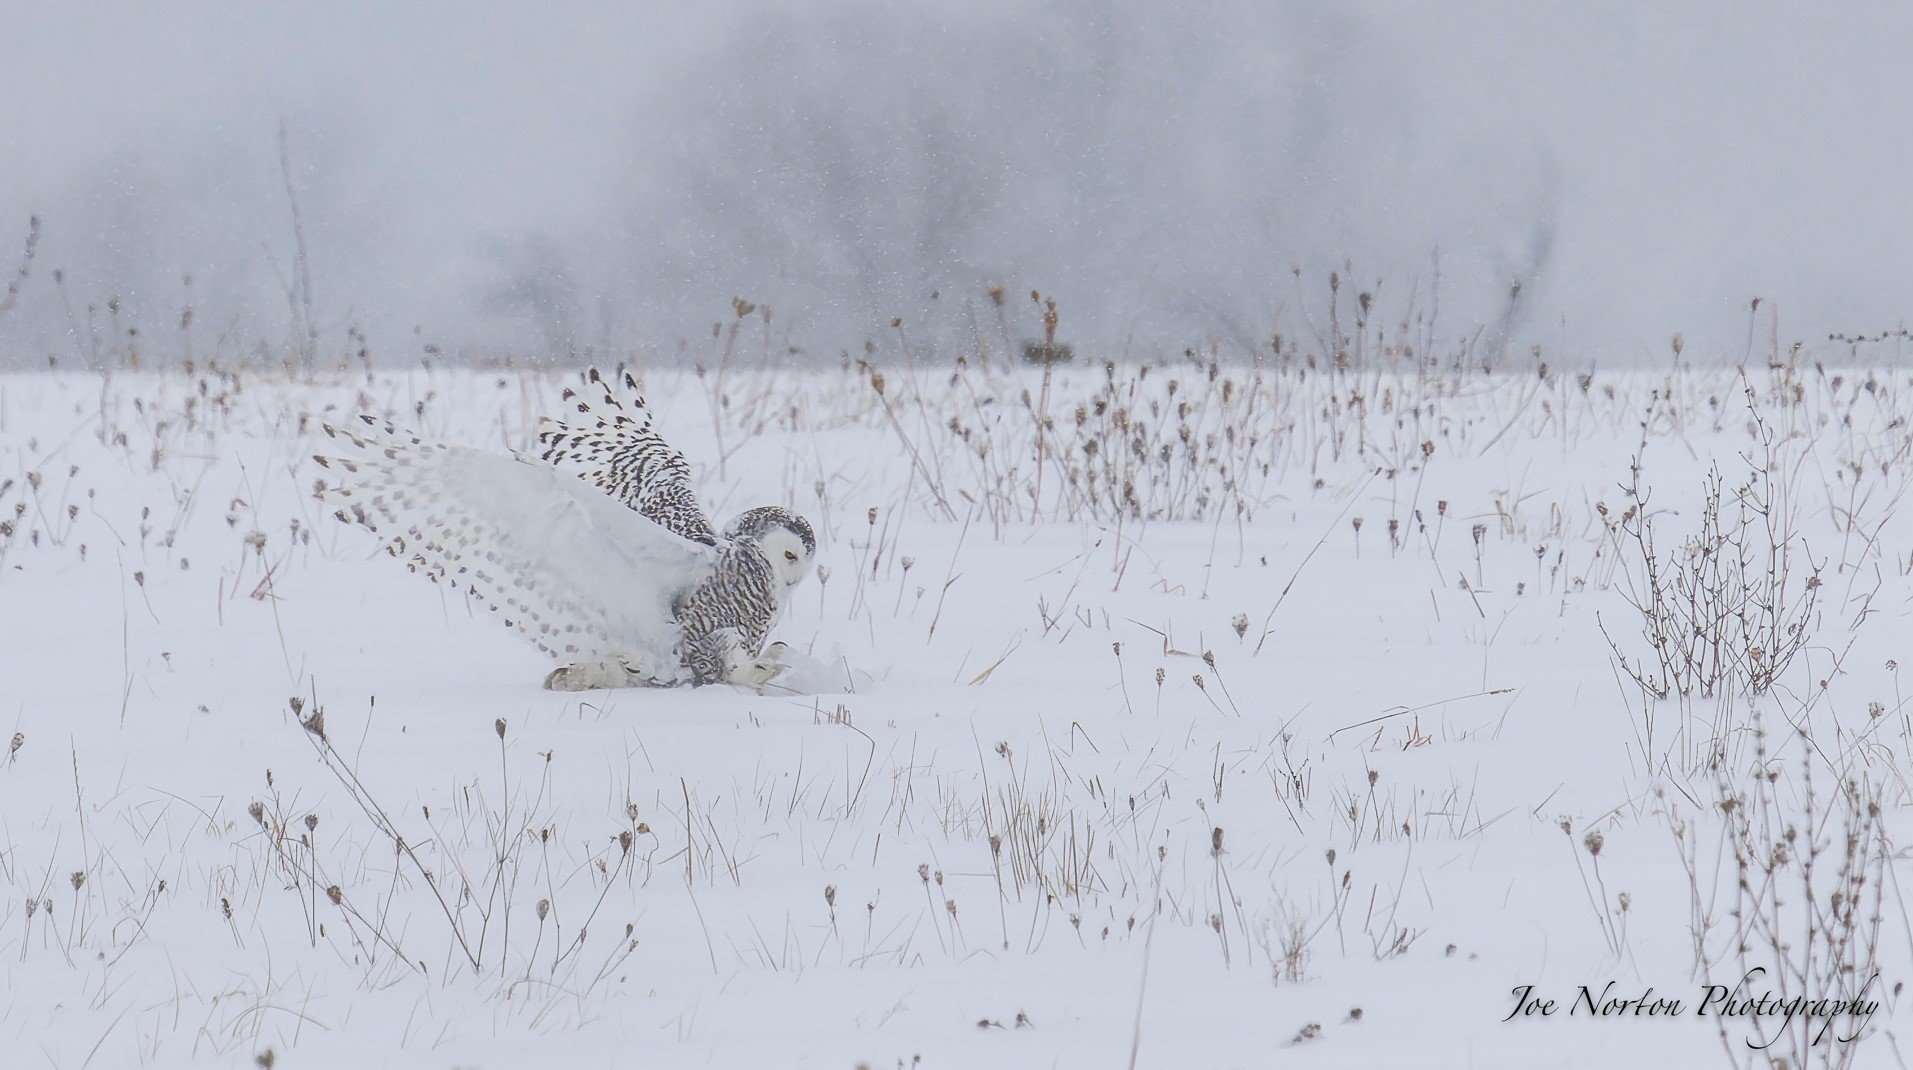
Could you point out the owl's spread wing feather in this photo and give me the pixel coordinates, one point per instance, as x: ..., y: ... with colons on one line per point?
x: 579, y: 574
x: 614, y: 446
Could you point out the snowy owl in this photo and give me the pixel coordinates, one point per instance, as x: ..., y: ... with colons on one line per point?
x: 596, y: 550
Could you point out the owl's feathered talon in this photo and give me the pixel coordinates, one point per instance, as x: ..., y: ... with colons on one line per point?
x: 757, y: 673
x: 602, y: 676
x: 756, y: 676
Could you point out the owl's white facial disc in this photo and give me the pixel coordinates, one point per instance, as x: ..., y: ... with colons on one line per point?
x: 786, y: 553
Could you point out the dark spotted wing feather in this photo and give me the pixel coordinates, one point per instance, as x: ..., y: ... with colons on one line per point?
x: 611, y: 443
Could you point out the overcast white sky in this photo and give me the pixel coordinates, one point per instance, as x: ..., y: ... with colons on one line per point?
x: 501, y: 177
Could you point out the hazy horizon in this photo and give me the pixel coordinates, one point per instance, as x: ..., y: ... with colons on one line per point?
x: 491, y: 180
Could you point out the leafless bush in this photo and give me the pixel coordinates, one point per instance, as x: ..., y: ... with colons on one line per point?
x: 1035, y: 842
x: 1285, y: 942
x: 1786, y: 881
x: 1733, y: 605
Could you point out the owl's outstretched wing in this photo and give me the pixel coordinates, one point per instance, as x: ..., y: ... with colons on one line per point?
x: 580, y: 575
x: 614, y: 447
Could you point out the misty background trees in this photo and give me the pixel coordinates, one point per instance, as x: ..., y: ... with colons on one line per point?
x: 534, y: 182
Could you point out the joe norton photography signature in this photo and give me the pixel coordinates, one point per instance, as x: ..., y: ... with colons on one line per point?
x: 1761, y: 1008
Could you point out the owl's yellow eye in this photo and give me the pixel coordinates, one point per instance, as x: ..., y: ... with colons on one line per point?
x: 790, y: 555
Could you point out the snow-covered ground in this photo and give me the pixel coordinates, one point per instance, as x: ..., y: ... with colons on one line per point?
x: 1240, y: 717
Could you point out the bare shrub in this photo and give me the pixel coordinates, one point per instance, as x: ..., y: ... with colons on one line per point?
x: 1786, y: 881
x: 1730, y: 608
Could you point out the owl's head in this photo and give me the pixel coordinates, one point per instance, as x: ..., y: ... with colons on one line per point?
x: 783, y: 537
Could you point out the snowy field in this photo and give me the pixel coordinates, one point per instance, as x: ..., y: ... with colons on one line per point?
x: 1187, y: 716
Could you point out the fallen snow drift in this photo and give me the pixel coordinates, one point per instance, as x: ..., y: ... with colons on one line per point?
x: 1229, y: 717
